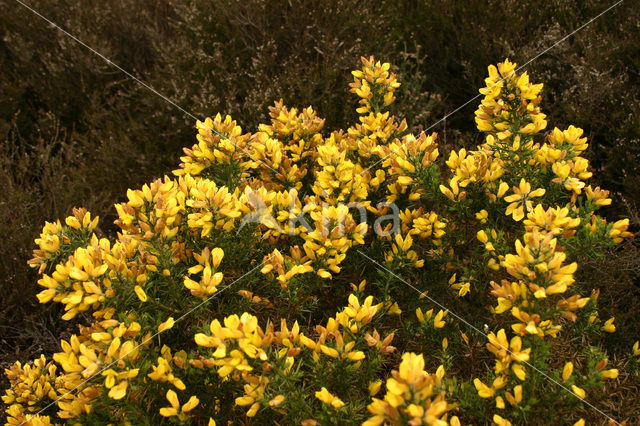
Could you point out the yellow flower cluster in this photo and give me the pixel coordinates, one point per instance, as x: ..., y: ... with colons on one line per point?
x: 413, y: 397
x: 57, y: 240
x: 80, y: 282
x: 374, y: 84
x: 325, y: 396
x: 163, y: 372
x: 286, y: 148
x: 520, y: 200
x: 220, y: 142
x: 32, y: 388
x: 242, y: 350
x: 539, y: 273
x: 509, y: 358
x: 208, y: 262
x: 511, y: 103
x: 511, y: 116
x: 102, y: 348
x: 182, y: 413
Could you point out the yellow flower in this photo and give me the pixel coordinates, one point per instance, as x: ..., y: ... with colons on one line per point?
x: 438, y: 321
x: 515, y: 398
x: 325, y: 396
x: 609, y: 327
x: 140, y: 293
x: 208, y: 261
x: 405, y: 180
x: 463, y: 289
x: 302, y: 186
x: 501, y: 421
x: 401, y: 248
x: 567, y: 371
x: 166, y: 325
x: 619, y: 231
x: 276, y: 401
x: 520, y: 200
x: 519, y: 371
x: 580, y: 393
x: 253, y: 393
x: 597, y: 196
x: 502, y: 189
x: 32, y: 385
x: 571, y: 137
x: 484, y: 391
x: 119, y: 391
x: 410, y: 392
x: 329, y: 351
x: 175, y: 410
x: 374, y: 387
x: 392, y: 308
x: 482, y: 216
x: 164, y: 373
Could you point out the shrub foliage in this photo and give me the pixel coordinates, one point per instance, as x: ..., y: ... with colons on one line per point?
x: 298, y: 275
x: 71, y: 125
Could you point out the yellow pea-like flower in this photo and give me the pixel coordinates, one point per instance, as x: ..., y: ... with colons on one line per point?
x: 578, y: 391
x: 484, y: 391
x: 567, y: 371
x: 166, y: 325
x: 119, y: 391
x: 325, y: 396
x: 140, y: 293
x: 608, y: 326
x: 374, y: 387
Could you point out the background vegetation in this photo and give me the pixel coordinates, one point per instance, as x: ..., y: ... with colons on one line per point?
x: 75, y: 131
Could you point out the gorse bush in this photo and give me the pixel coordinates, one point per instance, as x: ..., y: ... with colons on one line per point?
x: 295, y: 275
x: 72, y: 126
